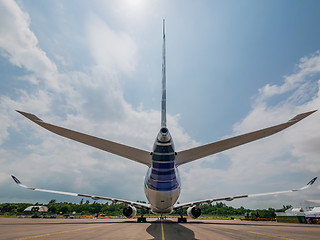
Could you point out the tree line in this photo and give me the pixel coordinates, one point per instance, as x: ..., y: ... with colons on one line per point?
x: 87, y: 208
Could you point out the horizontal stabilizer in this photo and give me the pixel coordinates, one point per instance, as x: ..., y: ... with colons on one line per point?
x: 216, y: 147
x: 131, y: 153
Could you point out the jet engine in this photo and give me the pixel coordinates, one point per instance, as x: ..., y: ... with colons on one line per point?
x: 194, y: 212
x: 129, y: 211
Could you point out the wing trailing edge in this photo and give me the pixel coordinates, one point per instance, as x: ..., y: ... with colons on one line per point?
x: 131, y: 153
x: 216, y: 147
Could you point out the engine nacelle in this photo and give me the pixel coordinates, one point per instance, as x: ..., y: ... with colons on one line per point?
x: 129, y: 212
x: 194, y: 212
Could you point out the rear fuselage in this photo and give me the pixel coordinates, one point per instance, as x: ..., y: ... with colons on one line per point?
x: 162, y: 182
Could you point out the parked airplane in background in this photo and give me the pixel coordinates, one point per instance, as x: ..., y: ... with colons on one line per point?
x: 162, y: 182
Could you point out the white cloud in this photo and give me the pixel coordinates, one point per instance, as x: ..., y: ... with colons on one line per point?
x: 300, y: 141
x: 306, y: 68
x: 113, y: 51
x: 19, y: 44
x: 90, y: 101
x: 294, y: 151
x: 266, y: 165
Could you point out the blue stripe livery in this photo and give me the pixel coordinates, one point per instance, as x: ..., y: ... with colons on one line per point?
x: 162, y: 176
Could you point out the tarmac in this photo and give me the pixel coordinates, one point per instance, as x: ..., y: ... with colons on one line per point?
x: 27, y: 228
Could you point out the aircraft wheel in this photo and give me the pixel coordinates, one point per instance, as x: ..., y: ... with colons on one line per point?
x: 141, y: 220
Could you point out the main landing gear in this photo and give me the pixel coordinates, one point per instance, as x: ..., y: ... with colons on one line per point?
x: 142, y: 219
x: 181, y: 219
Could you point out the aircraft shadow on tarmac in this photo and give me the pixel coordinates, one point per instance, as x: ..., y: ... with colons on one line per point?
x: 171, y: 229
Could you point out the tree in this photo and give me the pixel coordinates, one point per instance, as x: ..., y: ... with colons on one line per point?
x: 52, y: 209
x: 64, y: 208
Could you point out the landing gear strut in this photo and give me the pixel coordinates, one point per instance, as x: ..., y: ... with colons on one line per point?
x: 142, y: 219
x: 181, y: 219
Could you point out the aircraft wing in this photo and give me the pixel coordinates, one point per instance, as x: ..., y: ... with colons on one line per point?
x: 131, y: 153
x: 114, y: 200
x: 209, y: 201
x: 212, y: 148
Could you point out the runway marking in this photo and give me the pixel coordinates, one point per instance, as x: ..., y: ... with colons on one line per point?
x: 56, y: 233
x: 162, y: 232
x: 262, y: 234
x: 269, y: 235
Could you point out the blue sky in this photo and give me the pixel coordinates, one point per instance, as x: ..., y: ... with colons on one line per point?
x: 95, y: 67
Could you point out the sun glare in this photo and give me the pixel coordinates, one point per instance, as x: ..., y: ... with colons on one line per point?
x: 135, y: 7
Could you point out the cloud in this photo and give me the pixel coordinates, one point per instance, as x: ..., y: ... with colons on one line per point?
x: 112, y: 50
x: 299, y: 143
x: 89, y: 101
x: 307, y: 67
x: 269, y: 163
x: 19, y: 44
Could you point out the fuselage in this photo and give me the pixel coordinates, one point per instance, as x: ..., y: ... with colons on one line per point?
x: 162, y: 182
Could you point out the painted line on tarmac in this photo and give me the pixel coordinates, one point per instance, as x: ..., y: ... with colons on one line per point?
x: 262, y: 234
x: 270, y: 235
x: 162, y: 232
x: 57, y: 233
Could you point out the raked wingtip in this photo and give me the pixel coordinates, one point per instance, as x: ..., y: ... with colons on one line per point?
x: 312, y: 181
x: 17, y: 181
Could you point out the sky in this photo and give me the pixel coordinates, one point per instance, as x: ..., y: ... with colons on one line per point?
x: 95, y: 67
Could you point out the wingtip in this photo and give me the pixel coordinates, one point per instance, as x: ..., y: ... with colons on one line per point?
x: 301, y: 116
x: 312, y: 181
x: 17, y: 181
x: 309, y: 113
x: 30, y: 116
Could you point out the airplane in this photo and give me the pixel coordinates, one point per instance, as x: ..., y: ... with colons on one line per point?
x: 162, y: 182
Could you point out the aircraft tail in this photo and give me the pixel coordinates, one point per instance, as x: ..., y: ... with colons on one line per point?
x: 164, y: 98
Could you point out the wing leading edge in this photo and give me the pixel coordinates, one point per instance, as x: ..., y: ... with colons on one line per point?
x: 211, y: 200
x: 212, y: 148
x: 131, y: 153
x: 114, y: 200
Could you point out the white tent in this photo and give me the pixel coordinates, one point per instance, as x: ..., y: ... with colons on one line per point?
x: 36, y: 209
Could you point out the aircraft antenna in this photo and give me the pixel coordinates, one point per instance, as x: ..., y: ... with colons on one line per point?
x: 163, y: 102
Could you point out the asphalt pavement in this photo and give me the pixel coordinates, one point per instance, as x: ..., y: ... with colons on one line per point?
x: 26, y: 228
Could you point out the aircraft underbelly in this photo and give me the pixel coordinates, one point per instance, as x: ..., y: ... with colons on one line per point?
x: 162, y: 201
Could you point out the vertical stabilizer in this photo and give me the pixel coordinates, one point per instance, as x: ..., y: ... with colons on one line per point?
x: 163, y: 102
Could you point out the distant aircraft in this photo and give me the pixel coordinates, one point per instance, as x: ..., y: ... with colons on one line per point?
x: 162, y: 181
